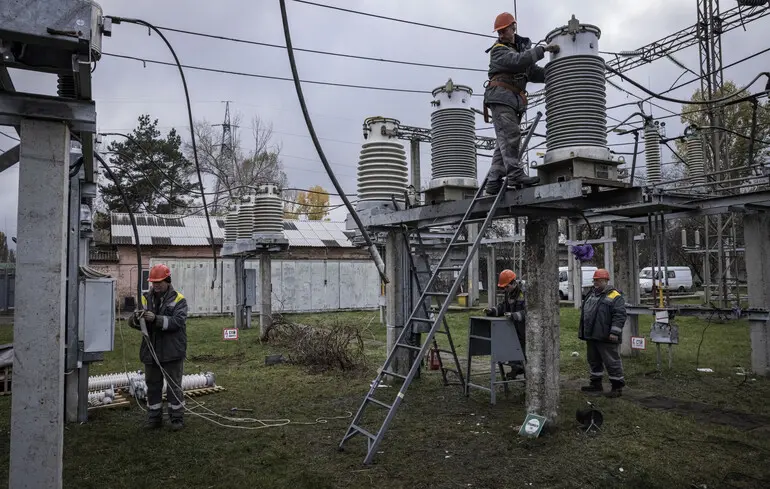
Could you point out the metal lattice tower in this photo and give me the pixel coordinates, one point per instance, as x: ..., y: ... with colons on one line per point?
x: 226, y: 150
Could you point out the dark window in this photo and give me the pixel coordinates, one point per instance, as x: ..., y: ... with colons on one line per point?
x: 145, y: 280
x: 331, y: 243
x: 160, y: 241
x: 671, y: 274
x: 289, y: 226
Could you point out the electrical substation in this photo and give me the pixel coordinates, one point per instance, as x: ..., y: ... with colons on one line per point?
x: 430, y: 236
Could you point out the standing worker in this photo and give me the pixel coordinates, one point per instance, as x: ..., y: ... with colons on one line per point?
x: 515, y: 305
x: 165, y: 313
x: 512, y: 64
x: 601, y: 325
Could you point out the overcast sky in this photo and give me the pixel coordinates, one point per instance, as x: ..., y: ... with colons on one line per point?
x: 125, y: 89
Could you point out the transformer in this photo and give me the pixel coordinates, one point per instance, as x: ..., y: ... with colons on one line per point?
x: 652, y: 152
x: 268, y: 217
x: 453, y: 138
x: 382, y: 169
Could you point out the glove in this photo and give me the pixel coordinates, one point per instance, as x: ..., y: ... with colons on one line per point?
x: 149, y: 316
x: 553, y: 48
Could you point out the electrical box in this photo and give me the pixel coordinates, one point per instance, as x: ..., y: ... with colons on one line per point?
x: 97, y: 314
x: 250, y: 276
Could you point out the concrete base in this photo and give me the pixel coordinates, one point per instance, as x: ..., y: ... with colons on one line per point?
x: 603, y: 173
x: 449, y: 193
x: 757, y: 234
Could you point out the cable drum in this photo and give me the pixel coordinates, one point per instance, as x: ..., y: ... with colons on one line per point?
x: 575, y: 95
x: 268, y: 210
x: 652, y: 153
x: 696, y: 160
x: 453, y: 144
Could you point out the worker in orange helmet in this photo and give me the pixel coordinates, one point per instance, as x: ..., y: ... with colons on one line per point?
x: 165, y: 314
x: 512, y: 64
x: 602, y: 317
x: 514, y: 306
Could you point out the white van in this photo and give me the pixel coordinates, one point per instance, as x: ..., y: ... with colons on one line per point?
x: 588, y: 280
x: 679, y: 279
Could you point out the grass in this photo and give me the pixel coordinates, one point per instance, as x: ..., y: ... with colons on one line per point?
x: 439, y: 438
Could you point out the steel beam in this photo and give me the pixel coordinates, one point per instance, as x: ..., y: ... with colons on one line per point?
x: 9, y: 158
x: 80, y: 115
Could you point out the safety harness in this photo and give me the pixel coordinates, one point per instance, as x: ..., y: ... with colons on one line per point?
x: 497, y: 80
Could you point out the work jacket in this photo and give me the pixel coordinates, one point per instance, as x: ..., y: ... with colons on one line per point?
x: 603, y: 313
x: 513, y: 64
x: 513, y: 301
x: 168, y: 333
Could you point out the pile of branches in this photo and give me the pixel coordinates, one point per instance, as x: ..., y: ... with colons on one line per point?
x: 338, y: 346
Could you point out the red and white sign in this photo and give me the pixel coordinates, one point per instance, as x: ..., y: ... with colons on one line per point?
x: 230, y: 333
x: 638, y: 343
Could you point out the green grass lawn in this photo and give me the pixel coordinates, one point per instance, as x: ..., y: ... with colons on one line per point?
x: 439, y: 439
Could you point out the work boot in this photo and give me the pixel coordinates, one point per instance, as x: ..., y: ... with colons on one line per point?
x: 523, y: 181
x: 493, y: 187
x: 617, y: 389
x: 594, y: 386
x: 176, y: 417
x: 154, y: 419
x: 516, y: 370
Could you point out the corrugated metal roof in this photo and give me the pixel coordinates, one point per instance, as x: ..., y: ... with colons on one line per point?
x: 171, y: 230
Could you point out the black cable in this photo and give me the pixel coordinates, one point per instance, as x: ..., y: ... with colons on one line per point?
x: 702, y: 336
x: 749, y: 138
x: 117, y: 20
x: 372, y: 248
x: 270, y: 77
x: 9, y: 136
x: 459, y: 31
x: 131, y: 217
x: 315, y: 51
x: 685, y: 102
x: 75, y: 167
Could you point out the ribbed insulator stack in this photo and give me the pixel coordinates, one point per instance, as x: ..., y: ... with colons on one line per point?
x: 116, y: 380
x: 382, y: 168
x: 196, y: 381
x: 652, y: 152
x: 696, y: 160
x: 100, y: 398
x: 575, y: 95
x: 246, y: 215
x: 231, y: 224
x: 268, y: 216
x: 453, y: 136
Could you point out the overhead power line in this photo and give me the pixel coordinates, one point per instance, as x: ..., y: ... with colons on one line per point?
x: 315, y: 51
x: 402, y: 21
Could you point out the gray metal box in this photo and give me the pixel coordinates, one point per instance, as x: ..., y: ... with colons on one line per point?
x: 251, y: 287
x: 97, y: 314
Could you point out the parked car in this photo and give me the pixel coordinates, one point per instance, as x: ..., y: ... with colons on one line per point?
x: 679, y: 279
x: 587, y: 282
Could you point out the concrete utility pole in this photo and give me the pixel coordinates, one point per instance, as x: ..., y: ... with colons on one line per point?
x: 627, y: 280
x: 542, y: 337
x: 396, y: 291
x: 37, y: 405
x: 266, y: 293
x: 756, y: 229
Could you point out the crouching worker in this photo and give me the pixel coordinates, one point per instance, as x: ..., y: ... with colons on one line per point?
x: 165, y: 314
x: 602, y: 317
x: 514, y: 305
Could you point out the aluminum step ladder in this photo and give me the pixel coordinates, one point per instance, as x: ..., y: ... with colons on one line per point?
x: 437, y: 323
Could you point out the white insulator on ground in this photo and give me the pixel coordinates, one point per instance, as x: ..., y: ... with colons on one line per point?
x: 116, y: 380
x: 101, y: 397
x: 453, y: 137
x: 575, y: 95
x: 696, y: 160
x: 652, y: 153
x: 268, y: 210
x: 246, y: 214
x: 210, y: 379
x: 231, y: 224
x: 382, y: 168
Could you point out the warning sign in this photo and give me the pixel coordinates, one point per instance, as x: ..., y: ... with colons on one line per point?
x: 230, y: 333
x: 638, y: 343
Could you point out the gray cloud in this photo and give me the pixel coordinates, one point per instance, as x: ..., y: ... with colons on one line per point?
x: 125, y: 89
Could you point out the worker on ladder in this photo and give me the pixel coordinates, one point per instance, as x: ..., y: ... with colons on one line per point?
x: 512, y: 63
x: 164, y: 349
x: 514, y: 306
x: 602, y: 317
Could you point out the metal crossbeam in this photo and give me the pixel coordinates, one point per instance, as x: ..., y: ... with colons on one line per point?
x: 80, y: 115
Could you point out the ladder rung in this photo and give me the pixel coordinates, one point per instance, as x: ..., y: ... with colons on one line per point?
x: 410, y: 347
x: 363, y: 431
x: 394, y: 374
x: 437, y: 294
x: 379, y: 403
x: 449, y: 269
x: 423, y: 320
x: 462, y: 243
x: 445, y: 351
x: 471, y: 221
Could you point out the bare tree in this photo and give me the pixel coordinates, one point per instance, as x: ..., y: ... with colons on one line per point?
x: 236, y: 168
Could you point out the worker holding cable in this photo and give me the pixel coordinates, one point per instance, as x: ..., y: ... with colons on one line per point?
x: 514, y: 306
x: 602, y: 317
x: 164, y: 348
x: 512, y: 64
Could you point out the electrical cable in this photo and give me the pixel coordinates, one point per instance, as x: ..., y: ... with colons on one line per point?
x: 298, y: 87
x: 9, y: 136
x: 686, y: 102
x: 117, y: 20
x: 702, y: 336
x: 315, y: 51
x: 410, y: 22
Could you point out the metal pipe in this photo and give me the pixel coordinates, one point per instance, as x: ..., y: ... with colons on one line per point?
x: 636, y: 153
x: 665, y: 256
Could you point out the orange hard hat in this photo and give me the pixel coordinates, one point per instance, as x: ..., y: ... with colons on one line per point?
x: 159, y: 273
x: 503, y: 20
x: 601, y: 273
x: 506, y: 277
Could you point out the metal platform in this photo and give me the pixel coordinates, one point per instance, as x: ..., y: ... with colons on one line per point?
x: 591, y: 171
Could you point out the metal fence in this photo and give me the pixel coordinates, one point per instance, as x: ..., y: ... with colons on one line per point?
x: 7, y: 286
